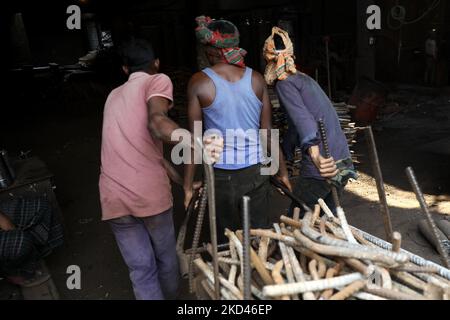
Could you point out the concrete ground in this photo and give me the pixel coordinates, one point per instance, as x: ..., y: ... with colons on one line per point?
x: 70, y: 144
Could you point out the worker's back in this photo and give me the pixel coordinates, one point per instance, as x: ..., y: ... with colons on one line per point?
x: 306, y: 103
x: 236, y: 112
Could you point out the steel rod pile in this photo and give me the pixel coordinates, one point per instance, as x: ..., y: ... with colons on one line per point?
x: 313, y: 259
x: 349, y: 128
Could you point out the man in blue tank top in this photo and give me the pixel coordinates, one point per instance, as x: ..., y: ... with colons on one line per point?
x: 232, y: 100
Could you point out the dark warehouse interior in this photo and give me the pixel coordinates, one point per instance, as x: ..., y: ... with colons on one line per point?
x: 58, y: 81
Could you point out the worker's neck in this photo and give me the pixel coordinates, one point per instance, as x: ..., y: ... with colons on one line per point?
x: 152, y: 72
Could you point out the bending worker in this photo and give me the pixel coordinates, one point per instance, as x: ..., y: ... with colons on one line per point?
x: 306, y: 103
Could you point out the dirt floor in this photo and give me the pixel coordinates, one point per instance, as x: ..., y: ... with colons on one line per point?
x: 70, y: 145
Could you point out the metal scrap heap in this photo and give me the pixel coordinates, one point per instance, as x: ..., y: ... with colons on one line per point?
x: 321, y: 258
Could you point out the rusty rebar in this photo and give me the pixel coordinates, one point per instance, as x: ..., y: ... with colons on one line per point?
x: 346, y: 252
x: 384, y: 208
x: 182, y: 255
x: 323, y: 136
x: 392, y: 294
x: 350, y: 290
x: 263, y: 249
x: 278, y: 279
x: 197, y: 233
x: 209, y: 173
x: 310, y: 286
x: 286, y: 259
x: 396, y: 241
x: 420, y: 197
x: 212, y: 277
x: 247, y: 272
x: 340, y: 244
x: 419, y: 261
x: 258, y: 264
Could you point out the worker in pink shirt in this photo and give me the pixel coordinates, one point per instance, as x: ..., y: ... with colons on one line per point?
x: 135, y: 189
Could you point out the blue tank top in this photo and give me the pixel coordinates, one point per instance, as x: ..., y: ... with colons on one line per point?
x: 235, y: 113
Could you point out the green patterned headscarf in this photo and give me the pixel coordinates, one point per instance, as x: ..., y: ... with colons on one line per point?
x: 228, y: 43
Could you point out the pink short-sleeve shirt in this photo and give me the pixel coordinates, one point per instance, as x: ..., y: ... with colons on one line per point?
x: 133, y: 180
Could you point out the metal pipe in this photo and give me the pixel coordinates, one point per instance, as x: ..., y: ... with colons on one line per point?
x: 403, y: 288
x: 396, y: 241
x: 233, y: 269
x: 367, y: 296
x: 410, y: 280
x: 298, y: 273
x: 257, y: 263
x: 385, y: 277
x: 291, y: 222
x: 326, y: 240
x: 331, y: 273
x: 322, y: 227
x: 316, y: 215
x: 263, y: 247
x: 247, y: 272
x: 392, y: 294
x: 350, y: 290
x: 207, y: 287
x: 417, y: 269
x: 345, y: 227
x: 278, y: 279
x: 322, y: 267
x: 275, y: 236
x: 325, y: 209
x: 420, y: 197
x: 286, y: 259
x: 359, y: 266
x: 312, y: 267
x: 343, y: 251
x: 309, y: 286
x: 384, y: 208
x: 212, y: 277
x: 204, y: 248
x: 443, y: 272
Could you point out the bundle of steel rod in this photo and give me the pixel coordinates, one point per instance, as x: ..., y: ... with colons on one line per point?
x: 350, y: 130
x: 321, y: 258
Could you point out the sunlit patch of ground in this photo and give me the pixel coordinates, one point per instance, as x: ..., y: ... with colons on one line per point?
x: 365, y: 188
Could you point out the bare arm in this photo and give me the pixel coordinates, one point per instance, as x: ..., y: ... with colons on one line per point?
x: 194, y: 114
x: 6, y: 223
x: 159, y: 123
x: 172, y: 173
